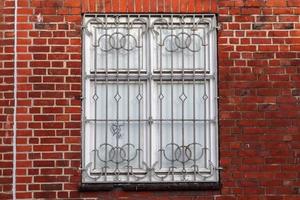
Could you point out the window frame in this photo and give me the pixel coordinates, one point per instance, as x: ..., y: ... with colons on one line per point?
x: 214, y: 106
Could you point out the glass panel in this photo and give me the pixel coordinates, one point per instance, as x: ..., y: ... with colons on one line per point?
x: 180, y: 47
x: 151, y: 125
x: 120, y: 128
x: 117, y: 100
x: 179, y: 135
x: 181, y: 94
x: 120, y: 47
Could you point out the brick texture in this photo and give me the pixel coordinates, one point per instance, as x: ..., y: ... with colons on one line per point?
x: 259, y: 89
x: 176, y: 6
x: 6, y: 96
x: 49, y: 90
x: 259, y: 103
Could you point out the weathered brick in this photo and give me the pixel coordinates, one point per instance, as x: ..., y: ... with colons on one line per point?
x: 259, y: 78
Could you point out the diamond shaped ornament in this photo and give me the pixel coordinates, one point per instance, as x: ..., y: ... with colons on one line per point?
x: 117, y: 97
x: 183, y: 97
x: 161, y: 96
x: 139, y: 97
x: 95, y: 97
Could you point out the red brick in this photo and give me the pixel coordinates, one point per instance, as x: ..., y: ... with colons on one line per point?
x: 278, y: 34
x: 267, y: 48
x: 295, y: 3
x: 43, y: 148
x: 39, y: 49
x: 291, y: 18
x: 276, y: 3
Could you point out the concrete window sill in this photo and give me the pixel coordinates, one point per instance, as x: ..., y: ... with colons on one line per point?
x: 181, y: 186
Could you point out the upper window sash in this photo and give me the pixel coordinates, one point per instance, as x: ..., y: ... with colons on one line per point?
x: 175, y: 43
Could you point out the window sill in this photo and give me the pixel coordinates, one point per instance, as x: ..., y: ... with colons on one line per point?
x: 181, y: 186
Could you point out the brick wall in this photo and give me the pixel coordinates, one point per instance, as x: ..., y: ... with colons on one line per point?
x: 259, y: 90
x: 49, y: 68
x: 6, y: 96
x: 259, y: 62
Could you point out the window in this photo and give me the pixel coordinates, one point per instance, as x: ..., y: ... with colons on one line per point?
x: 149, y: 99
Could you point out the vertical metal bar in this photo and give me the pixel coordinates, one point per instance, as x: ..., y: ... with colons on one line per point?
x: 161, y: 97
x: 83, y: 117
x: 128, y: 96
x: 95, y: 98
x: 214, y: 65
x: 205, y: 101
x: 106, y: 99
x: 182, y: 85
x: 150, y: 94
x: 194, y: 98
x: 172, y: 99
x: 139, y: 102
x: 209, y: 85
x: 117, y: 117
x: 141, y: 65
x: 111, y: 5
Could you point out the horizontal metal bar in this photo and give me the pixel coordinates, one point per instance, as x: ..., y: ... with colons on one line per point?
x: 156, y: 172
x: 200, y: 70
x: 118, y: 78
x: 147, y: 120
x: 185, y: 77
x: 120, y: 71
x: 180, y: 71
x: 178, y: 25
x: 155, y: 77
x: 160, y: 171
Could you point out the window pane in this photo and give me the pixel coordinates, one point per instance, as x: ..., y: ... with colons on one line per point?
x: 186, y: 98
x: 149, y: 109
x: 119, y: 47
x: 118, y: 100
x: 117, y: 123
x: 180, y: 128
x: 180, y: 47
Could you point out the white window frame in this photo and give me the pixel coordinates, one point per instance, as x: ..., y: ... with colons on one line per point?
x: 149, y: 77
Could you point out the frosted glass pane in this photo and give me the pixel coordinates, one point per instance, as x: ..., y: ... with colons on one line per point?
x: 122, y: 99
x: 186, y: 100
x: 119, y: 133
x: 183, y: 140
x: 180, y: 48
x: 188, y: 137
x: 140, y: 126
x: 120, y: 48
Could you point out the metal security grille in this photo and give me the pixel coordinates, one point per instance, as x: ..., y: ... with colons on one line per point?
x: 150, y: 98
